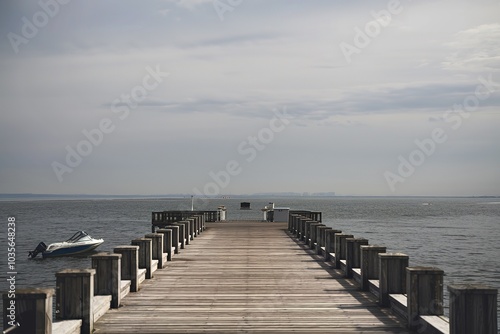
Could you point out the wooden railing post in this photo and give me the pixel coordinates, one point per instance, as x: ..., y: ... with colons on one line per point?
x: 107, y: 279
x: 330, y: 242
x: 307, y: 230
x: 353, y: 254
x: 370, y: 264
x: 129, y: 265
x: 424, y: 288
x: 312, y: 234
x: 30, y: 310
x: 168, y: 234
x: 145, y: 258
x: 192, y: 232
x: 74, y: 296
x: 187, y: 232
x: 317, y: 237
x: 182, y: 233
x: 292, y: 223
x: 197, y: 220
x: 321, y: 238
x: 392, y: 275
x: 297, y: 226
x: 157, y: 250
x: 340, y: 245
x: 203, y: 221
x: 174, y: 235
x: 473, y: 309
x: 301, y: 227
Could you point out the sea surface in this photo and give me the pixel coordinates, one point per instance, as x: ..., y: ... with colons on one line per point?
x: 459, y: 235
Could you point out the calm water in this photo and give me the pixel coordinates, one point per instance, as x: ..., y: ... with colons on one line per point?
x: 460, y: 236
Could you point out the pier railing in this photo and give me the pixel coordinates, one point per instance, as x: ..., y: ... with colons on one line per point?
x: 84, y: 295
x: 413, y: 293
x: 162, y: 218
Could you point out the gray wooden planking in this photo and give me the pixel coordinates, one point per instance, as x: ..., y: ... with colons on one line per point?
x: 248, y: 277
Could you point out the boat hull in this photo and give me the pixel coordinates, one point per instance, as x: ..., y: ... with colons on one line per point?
x: 74, y: 250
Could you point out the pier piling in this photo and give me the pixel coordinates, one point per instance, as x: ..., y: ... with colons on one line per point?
x: 145, y: 255
x: 107, y: 278
x: 32, y: 308
x: 473, y: 309
x: 75, y: 297
x: 129, y: 265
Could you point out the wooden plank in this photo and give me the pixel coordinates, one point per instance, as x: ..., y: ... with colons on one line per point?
x: 248, y: 277
x: 439, y: 323
x: 101, y: 305
x: 67, y: 327
x: 124, y: 288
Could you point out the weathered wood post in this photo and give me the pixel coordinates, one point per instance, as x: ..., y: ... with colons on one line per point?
x: 75, y: 295
x: 330, y: 242
x: 197, y: 225
x: 185, y: 235
x: 473, y: 309
x: 292, y: 222
x: 174, y: 236
x: 30, y: 310
x: 203, y: 221
x: 194, y: 231
x: 301, y: 226
x: 145, y: 258
x: 157, y: 248
x: 307, y: 230
x: 370, y: 264
x: 312, y: 234
x: 424, y: 288
x: 301, y: 230
x: 340, y: 245
x: 294, y: 225
x: 167, y: 240
x: 197, y: 222
x: 182, y: 233
x: 129, y: 265
x: 353, y: 254
x: 321, y: 239
x: 107, y: 278
x: 392, y: 275
x: 192, y: 228
x: 187, y: 232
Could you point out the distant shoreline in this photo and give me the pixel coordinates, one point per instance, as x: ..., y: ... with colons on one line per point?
x: 27, y: 197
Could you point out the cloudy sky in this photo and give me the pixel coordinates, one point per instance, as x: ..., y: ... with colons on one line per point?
x: 355, y: 97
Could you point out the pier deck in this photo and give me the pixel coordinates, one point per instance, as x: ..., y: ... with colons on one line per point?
x: 248, y: 277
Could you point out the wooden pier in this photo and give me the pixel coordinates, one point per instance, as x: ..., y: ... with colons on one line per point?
x: 248, y: 276
x: 190, y: 276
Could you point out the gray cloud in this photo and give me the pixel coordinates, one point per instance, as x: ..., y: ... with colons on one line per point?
x: 348, y: 122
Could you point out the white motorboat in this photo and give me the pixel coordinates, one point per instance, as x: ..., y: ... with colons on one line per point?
x: 79, y: 243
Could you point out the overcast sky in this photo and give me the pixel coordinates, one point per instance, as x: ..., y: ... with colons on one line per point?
x: 260, y: 96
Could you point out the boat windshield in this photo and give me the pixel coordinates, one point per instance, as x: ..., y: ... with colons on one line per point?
x: 77, y: 236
